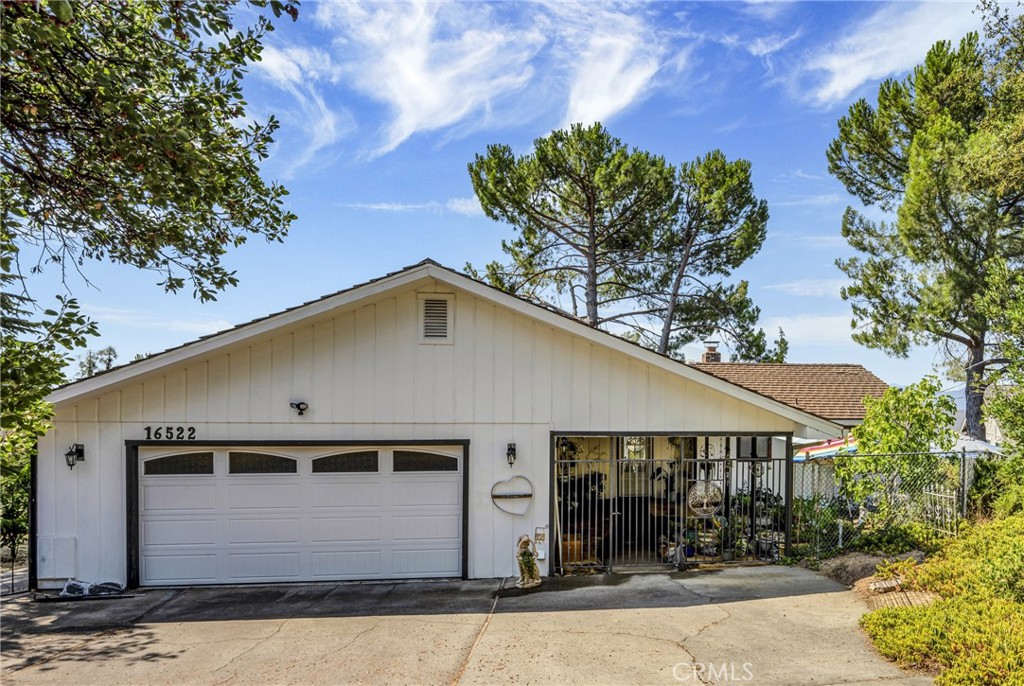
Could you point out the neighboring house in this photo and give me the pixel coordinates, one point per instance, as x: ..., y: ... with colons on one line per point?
x: 412, y: 426
x: 833, y: 391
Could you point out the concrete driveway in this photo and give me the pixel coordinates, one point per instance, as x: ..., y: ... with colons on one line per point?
x: 747, y: 625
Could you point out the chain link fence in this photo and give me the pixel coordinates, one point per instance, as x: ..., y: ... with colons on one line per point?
x: 928, y: 491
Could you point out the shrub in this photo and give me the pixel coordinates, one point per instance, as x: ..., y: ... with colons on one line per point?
x: 896, y: 538
x: 975, y: 632
x: 976, y: 643
x: 987, y: 560
x: 998, y: 487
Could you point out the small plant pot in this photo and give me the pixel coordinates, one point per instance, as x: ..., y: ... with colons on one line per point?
x: 728, y: 556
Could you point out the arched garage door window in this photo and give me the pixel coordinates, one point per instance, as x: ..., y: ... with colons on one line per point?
x: 180, y: 464
x: 260, y: 463
x: 361, y: 461
x: 415, y: 461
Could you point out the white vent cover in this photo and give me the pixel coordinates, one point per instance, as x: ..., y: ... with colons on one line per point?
x: 436, y: 318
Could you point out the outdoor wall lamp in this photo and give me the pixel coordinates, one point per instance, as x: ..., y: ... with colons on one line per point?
x: 300, y: 407
x: 510, y: 454
x: 76, y: 453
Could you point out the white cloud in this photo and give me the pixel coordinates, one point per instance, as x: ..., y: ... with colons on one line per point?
x: 813, y: 329
x: 813, y: 288
x: 616, y: 57
x: 888, y: 43
x: 469, y: 207
x: 763, y: 46
x: 801, y: 174
x: 298, y: 71
x: 814, y: 241
x: 766, y: 10
x: 810, y: 200
x: 147, y: 320
x: 289, y: 65
x: 433, y: 64
x: 457, y: 67
x: 432, y: 206
x: 734, y: 125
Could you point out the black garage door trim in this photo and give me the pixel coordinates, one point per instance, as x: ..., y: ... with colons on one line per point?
x: 132, y: 483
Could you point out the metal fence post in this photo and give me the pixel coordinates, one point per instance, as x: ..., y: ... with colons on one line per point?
x: 963, y: 482
x: 789, y: 495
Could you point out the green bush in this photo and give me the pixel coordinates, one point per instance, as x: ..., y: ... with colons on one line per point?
x: 975, y: 632
x: 975, y: 643
x: 998, y: 487
x: 895, y: 539
x: 986, y: 560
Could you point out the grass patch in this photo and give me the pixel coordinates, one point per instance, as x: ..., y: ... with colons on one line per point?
x: 975, y: 633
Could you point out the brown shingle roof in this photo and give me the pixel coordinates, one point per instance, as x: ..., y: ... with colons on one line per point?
x: 832, y: 391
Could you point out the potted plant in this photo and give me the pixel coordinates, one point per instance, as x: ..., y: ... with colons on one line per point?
x: 731, y: 535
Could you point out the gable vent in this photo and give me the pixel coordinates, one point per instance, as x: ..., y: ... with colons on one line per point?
x: 435, y: 319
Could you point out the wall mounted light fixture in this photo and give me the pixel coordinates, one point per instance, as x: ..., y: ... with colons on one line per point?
x: 76, y: 453
x: 300, y: 407
x: 510, y: 454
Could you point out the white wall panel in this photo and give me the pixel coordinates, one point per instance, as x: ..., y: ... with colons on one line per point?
x: 174, y: 396
x: 218, y: 389
x: 239, y: 385
x: 385, y: 353
x: 364, y: 362
x: 482, y: 370
x: 323, y: 358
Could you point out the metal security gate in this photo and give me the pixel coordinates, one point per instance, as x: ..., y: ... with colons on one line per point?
x: 636, y: 502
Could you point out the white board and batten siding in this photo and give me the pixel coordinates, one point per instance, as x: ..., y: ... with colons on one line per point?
x: 367, y: 374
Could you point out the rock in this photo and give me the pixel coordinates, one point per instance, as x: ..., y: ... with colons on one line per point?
x: 851, y: 567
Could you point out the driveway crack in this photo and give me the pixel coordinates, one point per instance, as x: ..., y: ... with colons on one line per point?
x: 245, y: 652
x: 480, y: 635
x: 728, y: 615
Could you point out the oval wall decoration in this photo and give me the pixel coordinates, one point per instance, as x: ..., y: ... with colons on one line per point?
x: 513, y: 495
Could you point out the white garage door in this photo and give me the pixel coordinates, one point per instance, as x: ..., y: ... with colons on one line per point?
x: 246, y: 515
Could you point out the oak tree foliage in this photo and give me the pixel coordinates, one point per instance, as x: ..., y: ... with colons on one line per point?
x: 124, y: 137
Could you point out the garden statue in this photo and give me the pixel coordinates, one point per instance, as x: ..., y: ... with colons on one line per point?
x: 526, y: 557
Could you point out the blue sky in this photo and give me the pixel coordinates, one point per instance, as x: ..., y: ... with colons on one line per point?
x: 382, y: 105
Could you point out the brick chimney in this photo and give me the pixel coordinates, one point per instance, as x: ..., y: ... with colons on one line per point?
x: 711, y: 354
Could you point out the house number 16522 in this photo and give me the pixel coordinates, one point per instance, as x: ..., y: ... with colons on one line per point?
x: 170, y: 433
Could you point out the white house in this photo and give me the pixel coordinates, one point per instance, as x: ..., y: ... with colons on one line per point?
x: 411, y: 426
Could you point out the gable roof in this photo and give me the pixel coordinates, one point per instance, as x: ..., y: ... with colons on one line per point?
x: 421, y: 272
x: 833, y: 391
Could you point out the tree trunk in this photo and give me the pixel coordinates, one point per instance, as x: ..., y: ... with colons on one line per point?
x: 673, y: 300
x: 974, y: 393
x: 591, y: 293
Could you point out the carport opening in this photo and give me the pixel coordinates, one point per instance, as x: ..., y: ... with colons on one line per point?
x: 629, y: 502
